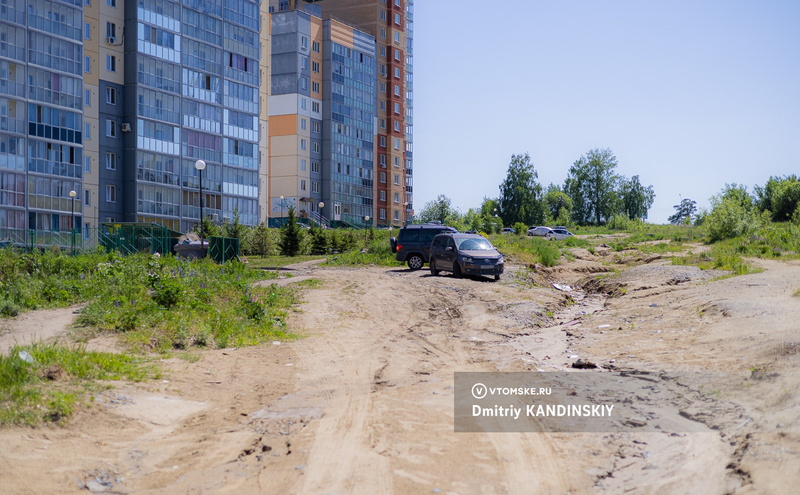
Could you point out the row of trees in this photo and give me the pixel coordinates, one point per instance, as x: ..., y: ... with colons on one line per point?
x: 592, y: 193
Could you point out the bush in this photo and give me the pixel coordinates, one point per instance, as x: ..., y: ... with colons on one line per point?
x: 520, y: 228
x: 729, y: 218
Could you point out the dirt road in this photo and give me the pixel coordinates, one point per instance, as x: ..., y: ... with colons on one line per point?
x: 364, y: 403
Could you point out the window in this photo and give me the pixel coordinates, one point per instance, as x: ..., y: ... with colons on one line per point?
x: 383, y: 87
x: 397, y: 162
x: 382, y: 141
x: 315, y: 87
x: 315, y: 167
x: 87, y: 131
x: 87, y: 64
x: 397, y: 72
x: 396, y: 90
x: 111, y: 63
x: 383, y: 161
x: 383, y: 69
x: 383, y: 177
x: 396, y: 216
x: 111, y: 30
x: 315, y: 46
x: 397, y: 108
x: 87, y: 31
x: 315, y: 106
x: 315, y: 147
x: 383, y: 33
x: 397, y: 19
x: 383, y: 123
x: 382, y: 195
x: 315, y: 187
x: 111, y: 161
x: 303, y: 144
x: 86, y: 198
x: 396, y: 143
x: 383, y: 15
x: 303, y: 164
x: 397, y: 179
x: 396, y: 197
x: 303, y: 124
x: 316, y: 126
x: 111, y: 3
x: 111, y: 128
x: 397, y: 37
x: 111, y: 193
x: 302, y: 184
x: 383, y: 51
x: 87, y: 164
x: 383, y: 214
x: 397, y: 125
x: 111, y: 96
x: 304, y: 104
x: 315, y: 67
x: 87, y: 97
x: 304, y: 43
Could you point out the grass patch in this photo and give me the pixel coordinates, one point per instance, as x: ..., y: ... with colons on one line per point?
x: 528, y: 250
x: 378, y: 253
x: 54, y: 380
x: 273, y: 262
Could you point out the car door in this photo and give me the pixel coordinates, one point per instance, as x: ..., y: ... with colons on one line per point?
x: 449, y: 254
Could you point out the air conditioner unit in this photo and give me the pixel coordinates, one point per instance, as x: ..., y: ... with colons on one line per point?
x: 126, y: 127
x: 111, y: 40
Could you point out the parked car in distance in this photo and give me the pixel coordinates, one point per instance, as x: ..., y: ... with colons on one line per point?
x: 413, y: 244
x: 559, y: 234
x: 508, y: 230
x: 465, y: 254
x: 539, y: 231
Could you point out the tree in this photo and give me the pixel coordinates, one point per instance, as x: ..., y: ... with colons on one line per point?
x: 684, y: 212
x: 636, y: 199
x: 557, y: 204
x: 439, y: 210
x: 520, y: 194
x: 592, y: 185
x: 779, y: 196
x: 291, y: 236
x: 234, y: 229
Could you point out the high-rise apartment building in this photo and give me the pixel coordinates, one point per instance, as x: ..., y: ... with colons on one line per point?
x: 390, y: 22
x: 41, y: 114
x: 288, y: 102
x: 322, y: 117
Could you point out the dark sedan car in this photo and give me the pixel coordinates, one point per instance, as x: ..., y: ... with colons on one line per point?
x: 468, y: 254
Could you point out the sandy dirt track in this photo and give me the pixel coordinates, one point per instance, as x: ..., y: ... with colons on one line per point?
x: 364, y: 403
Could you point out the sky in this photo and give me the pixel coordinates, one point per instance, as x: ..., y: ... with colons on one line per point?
x: 689, y: 95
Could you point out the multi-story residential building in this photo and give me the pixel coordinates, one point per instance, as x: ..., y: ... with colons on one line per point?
x: 41, y: 114
x: 322, y: 116
x: 391, y: 23
x: 289, y: 103
x: 118, y: 100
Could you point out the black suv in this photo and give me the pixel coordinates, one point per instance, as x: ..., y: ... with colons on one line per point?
x: 413, y: 243
x: 468, y: 254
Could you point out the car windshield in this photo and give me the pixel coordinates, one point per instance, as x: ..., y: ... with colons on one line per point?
x: 474, y: 245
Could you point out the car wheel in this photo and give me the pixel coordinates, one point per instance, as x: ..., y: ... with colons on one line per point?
x: 456, y: 270
x: 393, y: 244
x: 434, y: 271
x: 497, y: 277
x: 415, y: 262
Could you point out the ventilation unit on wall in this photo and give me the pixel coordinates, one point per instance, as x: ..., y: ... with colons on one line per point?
x: 111, y: 40
x: 126, y: 127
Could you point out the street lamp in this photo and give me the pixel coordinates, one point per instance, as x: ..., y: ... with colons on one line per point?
x: 321, y: 206
x: 200, y: 165
x: 281, y: 210
x: 72, y: 195
x: 405, y: 214
x: 366, y: 229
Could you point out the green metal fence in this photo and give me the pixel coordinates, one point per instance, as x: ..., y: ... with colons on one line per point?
x: 222, y: 249
x: 126, y: 238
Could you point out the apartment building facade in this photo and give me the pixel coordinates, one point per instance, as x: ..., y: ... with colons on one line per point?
x: 288, y: 103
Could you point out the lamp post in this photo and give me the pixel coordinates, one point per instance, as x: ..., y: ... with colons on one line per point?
x: 321, y: 206
x: 72, y: 195
x: 281, y: 211
x: 366, y: 229
x: 200, y: 165
x: 405, y: 214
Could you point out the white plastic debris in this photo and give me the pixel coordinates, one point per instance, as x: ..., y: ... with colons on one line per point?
x: 25, y: 357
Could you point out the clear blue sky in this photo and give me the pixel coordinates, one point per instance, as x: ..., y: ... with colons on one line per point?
x: 688, y: 94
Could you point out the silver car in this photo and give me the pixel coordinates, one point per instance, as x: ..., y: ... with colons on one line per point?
x: 540, y: 231
x: 559, y: 234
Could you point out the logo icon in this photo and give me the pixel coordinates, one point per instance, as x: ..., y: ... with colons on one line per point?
x: 479, y: 390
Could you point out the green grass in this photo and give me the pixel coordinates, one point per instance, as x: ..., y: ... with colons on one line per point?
x: 268, y: 262
x: 379, y: 253
x: 59, y: 379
